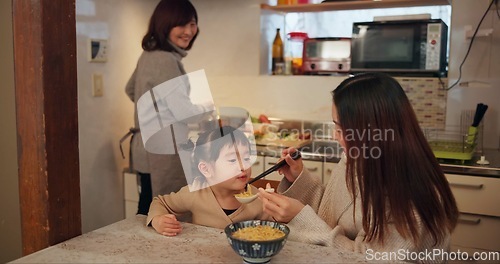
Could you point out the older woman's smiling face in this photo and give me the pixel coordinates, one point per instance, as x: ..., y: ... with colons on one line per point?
x: 181, y: 36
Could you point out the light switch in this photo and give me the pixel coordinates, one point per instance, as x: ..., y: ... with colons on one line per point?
x: 97, y: 85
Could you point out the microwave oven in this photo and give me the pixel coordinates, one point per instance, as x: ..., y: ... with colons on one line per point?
x: 407, y: 47
x: 326, y: 55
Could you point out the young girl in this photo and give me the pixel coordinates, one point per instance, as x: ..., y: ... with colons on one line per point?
x: 222, y: 159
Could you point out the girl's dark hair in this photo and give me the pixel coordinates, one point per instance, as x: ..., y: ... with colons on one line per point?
x: 210, y: 143
x: 167, y: 15
x: 391, y: 162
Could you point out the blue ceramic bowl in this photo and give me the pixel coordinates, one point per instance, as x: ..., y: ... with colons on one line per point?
x: 256, y: 251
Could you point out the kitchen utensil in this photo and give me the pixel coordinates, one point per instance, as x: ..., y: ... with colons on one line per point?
x: 248, y: 199
x: 296, y: 155
x: 268, y: 188
x: 478, y: 116
x: 480, y: 111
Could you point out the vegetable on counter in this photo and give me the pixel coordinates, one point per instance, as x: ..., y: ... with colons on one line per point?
x: 265, y: 130
x: 264, y: 119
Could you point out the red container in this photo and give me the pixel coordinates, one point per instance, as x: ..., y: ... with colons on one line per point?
x: 295, y: 45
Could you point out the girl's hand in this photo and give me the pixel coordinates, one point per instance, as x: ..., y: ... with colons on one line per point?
x: 166, y: 225
x: 294, y: 168
x: 281, y: 208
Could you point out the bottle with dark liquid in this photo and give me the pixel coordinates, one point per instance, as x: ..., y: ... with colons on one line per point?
x: 278, y: 61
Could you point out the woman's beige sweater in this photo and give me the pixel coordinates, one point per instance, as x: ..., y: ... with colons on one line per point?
x: 329, y: 218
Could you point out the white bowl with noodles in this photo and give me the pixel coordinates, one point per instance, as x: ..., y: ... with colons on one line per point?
x: 257, y: 241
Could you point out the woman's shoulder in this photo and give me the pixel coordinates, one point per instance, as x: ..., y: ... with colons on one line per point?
x: 159, y: 66
x: 157, y: 57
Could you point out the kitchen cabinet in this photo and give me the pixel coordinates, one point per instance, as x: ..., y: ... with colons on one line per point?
x: 475, y: 232
x: 314, y: 167
x: 352, y: 5
x: 477, y: 199
x: 313, y: 18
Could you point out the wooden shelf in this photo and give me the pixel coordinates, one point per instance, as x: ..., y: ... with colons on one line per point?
x: 352, y: 5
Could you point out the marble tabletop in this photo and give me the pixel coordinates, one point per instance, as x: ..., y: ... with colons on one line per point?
x: 130, y: 241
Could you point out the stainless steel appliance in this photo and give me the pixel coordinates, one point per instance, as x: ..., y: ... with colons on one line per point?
x: 326, y: 55
x: 406, y: 47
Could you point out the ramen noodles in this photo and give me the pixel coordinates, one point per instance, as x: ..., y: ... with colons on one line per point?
x: 258, y: 233
x: 246, y: 193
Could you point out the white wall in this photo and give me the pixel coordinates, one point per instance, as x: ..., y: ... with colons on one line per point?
x: 10, y: 216
x: 482, y: 67
x: 104, y: 120
x: 228, y: 48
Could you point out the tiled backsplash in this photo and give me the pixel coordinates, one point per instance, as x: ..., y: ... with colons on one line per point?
x: 428, y: 98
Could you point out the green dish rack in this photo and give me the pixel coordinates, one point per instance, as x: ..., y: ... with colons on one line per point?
x: 452, y: 144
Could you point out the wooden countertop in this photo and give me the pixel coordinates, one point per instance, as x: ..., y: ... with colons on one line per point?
x: 130, y: 241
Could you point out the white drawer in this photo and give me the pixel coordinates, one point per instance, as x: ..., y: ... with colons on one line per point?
x: 485, y: 254
x: 477, y: 231
x: 314, y: 167
x: 476, y: 195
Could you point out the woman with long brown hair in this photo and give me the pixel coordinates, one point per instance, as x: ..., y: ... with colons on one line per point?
x: 388, y: 194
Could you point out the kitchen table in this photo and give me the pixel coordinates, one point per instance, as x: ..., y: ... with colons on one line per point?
x: 130, y: 241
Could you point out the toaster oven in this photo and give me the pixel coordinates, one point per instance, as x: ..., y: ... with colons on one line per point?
x: 326, y: 55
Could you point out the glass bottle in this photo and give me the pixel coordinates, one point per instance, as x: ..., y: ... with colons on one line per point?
x: 278, y: 62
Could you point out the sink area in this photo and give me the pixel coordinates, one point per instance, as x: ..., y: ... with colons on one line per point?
x: 322, y: 147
